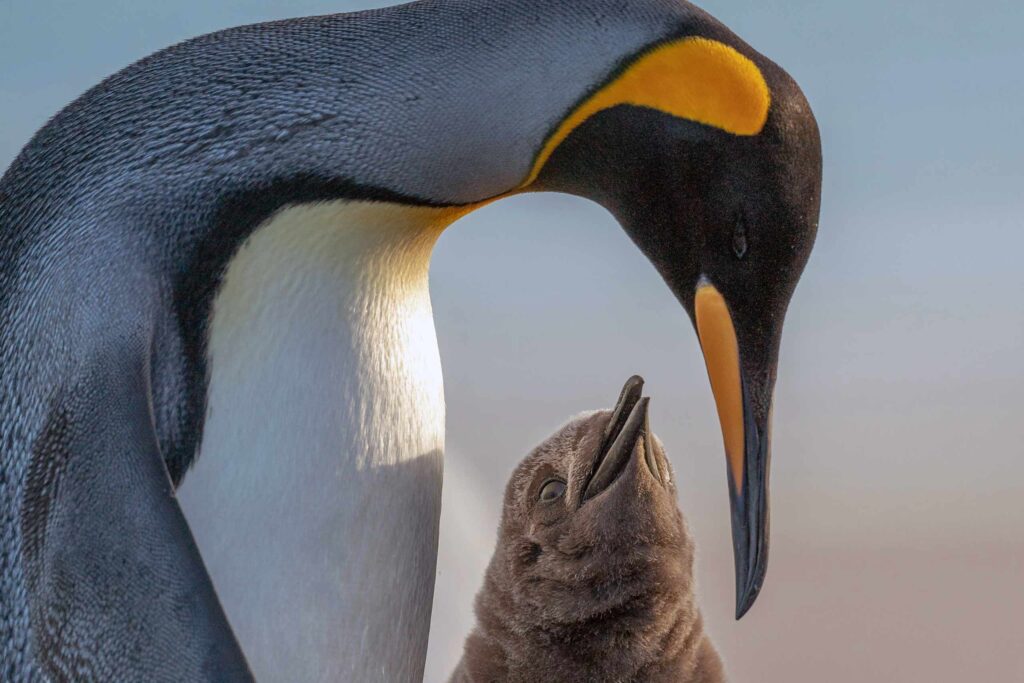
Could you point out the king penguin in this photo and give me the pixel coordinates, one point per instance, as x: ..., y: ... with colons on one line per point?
x: 592, y: 574
x: 217, y: 259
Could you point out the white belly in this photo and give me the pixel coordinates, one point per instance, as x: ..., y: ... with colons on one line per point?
x: 316, y: 497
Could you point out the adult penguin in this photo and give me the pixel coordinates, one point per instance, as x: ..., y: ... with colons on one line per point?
x: 223, y: 249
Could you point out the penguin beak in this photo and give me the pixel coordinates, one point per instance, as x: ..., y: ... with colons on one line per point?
x: 627, y: 426
x: 747, y: 448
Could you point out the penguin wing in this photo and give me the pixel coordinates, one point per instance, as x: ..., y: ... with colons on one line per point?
x: 116, y: 588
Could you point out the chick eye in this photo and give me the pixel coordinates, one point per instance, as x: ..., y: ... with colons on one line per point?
x: 553, y: 489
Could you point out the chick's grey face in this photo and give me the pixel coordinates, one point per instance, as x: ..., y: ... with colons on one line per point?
x: 574, y: 554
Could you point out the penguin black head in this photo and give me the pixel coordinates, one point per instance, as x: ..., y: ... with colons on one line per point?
x: 712, y: 164
x: 592, y: 578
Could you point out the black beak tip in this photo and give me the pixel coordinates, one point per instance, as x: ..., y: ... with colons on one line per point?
x: 750, y: 522
x: 628, y: 425
x: 750, y: 545
x: 628, y: 398
x: 746, y: 596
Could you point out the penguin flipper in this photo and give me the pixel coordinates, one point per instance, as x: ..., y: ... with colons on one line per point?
x: 116, y: 587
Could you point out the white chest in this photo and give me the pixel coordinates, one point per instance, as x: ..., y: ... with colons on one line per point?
x: 316, y: 497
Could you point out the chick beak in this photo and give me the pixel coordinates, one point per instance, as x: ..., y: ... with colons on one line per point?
x: 627, y: 427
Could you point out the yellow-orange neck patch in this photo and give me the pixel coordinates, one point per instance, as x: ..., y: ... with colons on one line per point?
x: 692, y: 78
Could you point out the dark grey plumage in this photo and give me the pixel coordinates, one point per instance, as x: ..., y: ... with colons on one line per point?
x: 594, y: 590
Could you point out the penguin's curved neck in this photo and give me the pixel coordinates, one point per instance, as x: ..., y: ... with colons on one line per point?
x: 315, y: 498
x: 316, y: 494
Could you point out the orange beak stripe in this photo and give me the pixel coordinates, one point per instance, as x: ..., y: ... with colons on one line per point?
x: 722, y: 357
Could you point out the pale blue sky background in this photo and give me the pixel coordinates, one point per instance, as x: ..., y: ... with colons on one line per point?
x: 898, y: 478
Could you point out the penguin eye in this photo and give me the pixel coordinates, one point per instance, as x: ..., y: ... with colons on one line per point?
x: 553, y: 489
x: 739, y: 237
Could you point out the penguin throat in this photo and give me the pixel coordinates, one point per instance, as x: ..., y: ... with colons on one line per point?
x: 316, y: 495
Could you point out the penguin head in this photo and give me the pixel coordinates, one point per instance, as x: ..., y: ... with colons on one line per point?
x: 591, y: 525
x: 711, y: 163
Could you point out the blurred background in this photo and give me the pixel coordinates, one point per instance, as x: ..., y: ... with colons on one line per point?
x: 898, y: 471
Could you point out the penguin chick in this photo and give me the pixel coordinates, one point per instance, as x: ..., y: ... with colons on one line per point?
x: 592, y: 576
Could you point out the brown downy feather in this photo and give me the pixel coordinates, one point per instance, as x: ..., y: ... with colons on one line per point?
x: 595, y: 589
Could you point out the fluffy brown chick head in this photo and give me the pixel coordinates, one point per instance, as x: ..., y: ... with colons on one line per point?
x: 591, y: 529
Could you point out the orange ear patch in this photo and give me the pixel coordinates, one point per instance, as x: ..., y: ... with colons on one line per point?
x: 692, y: 78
